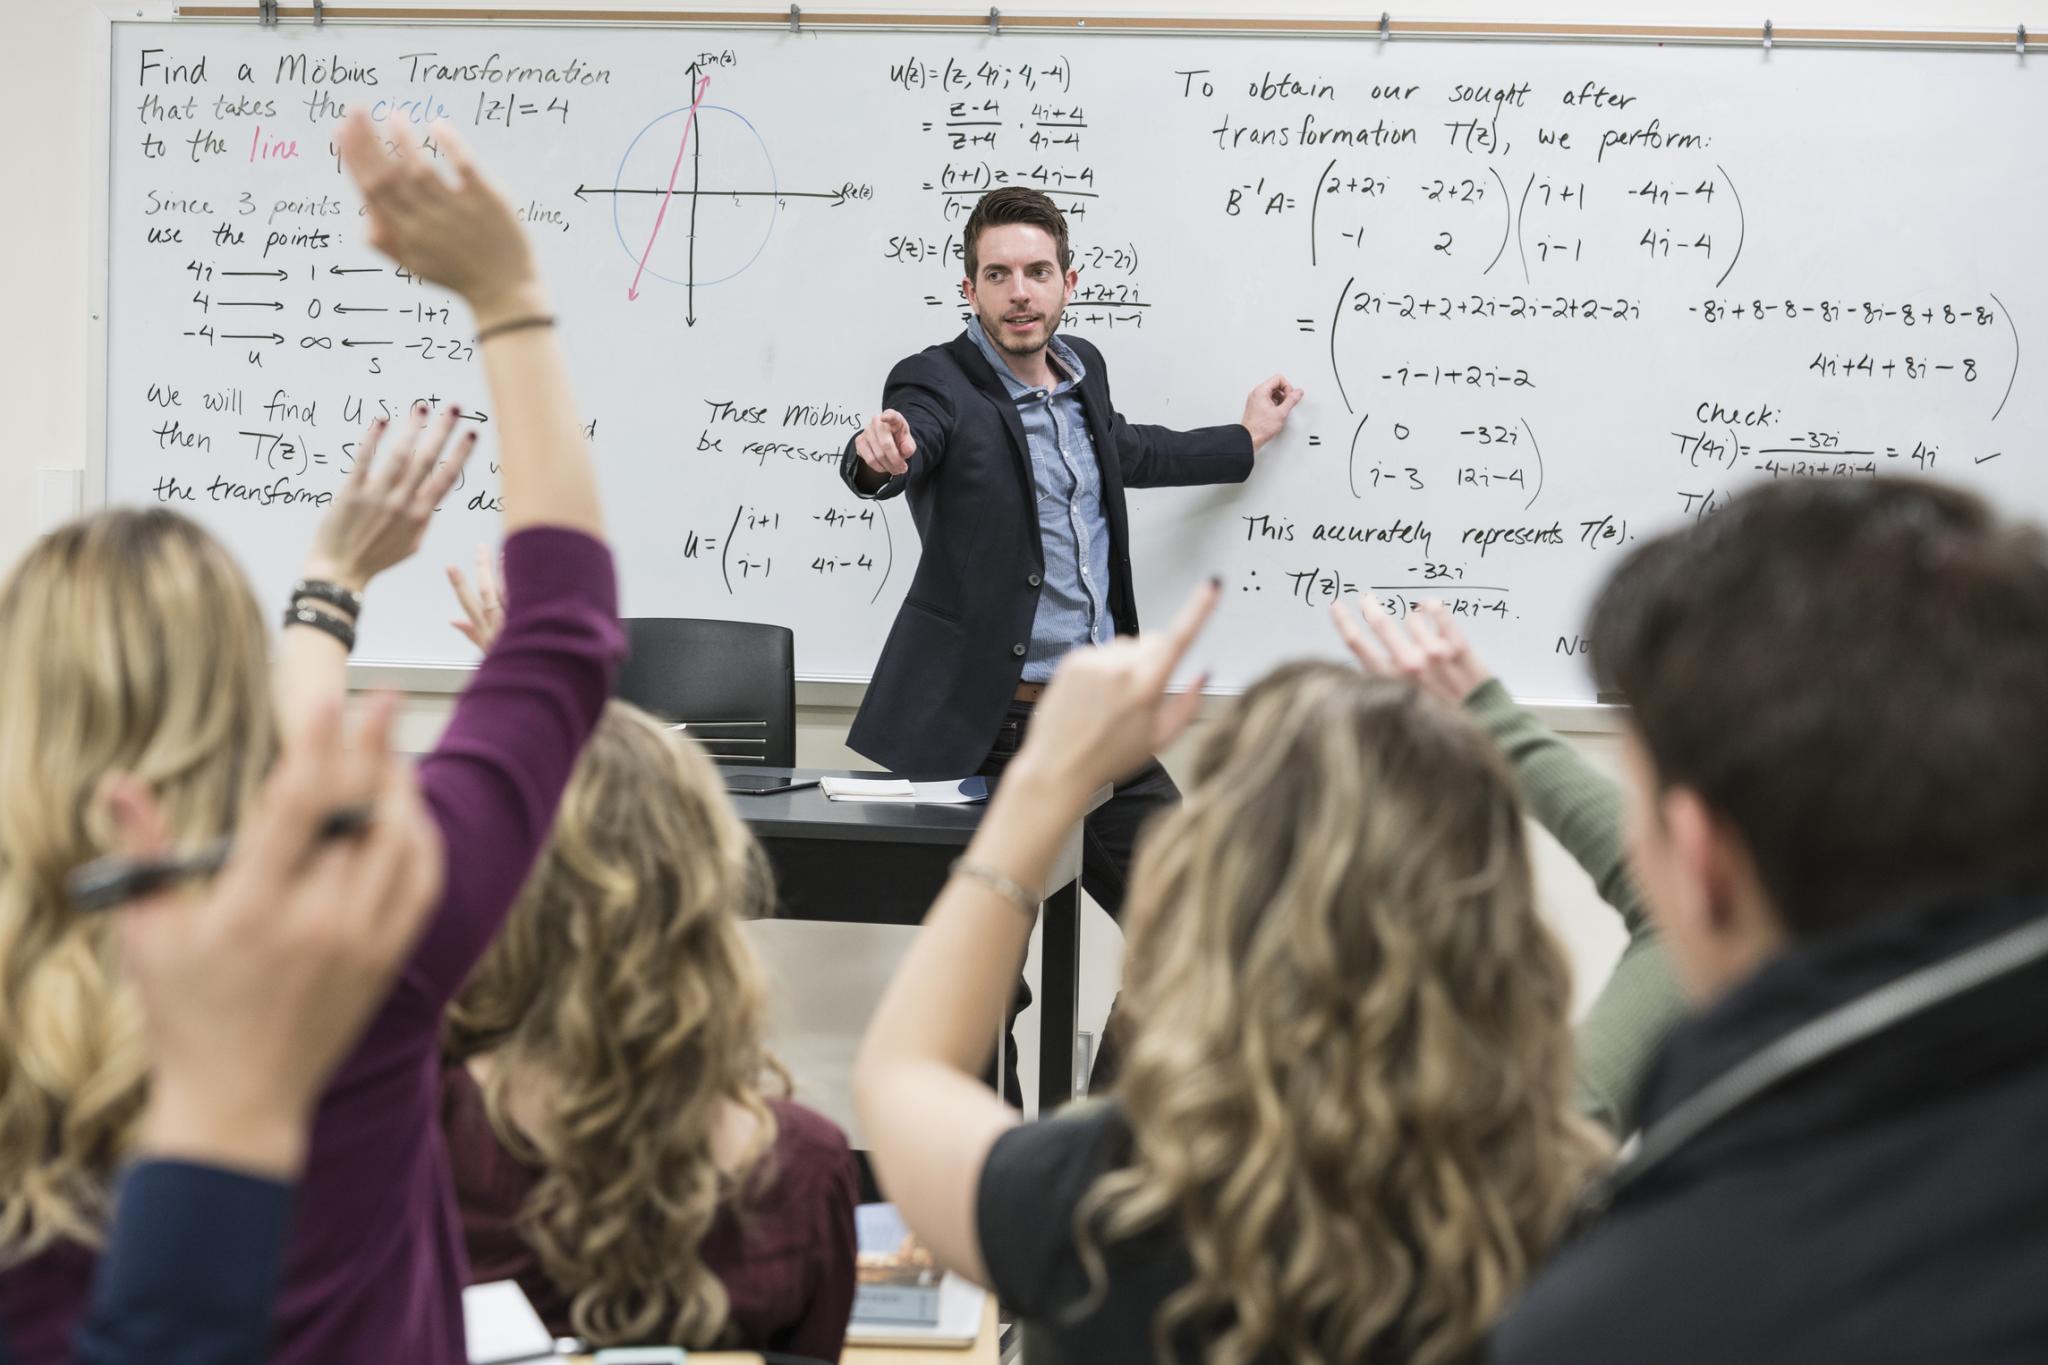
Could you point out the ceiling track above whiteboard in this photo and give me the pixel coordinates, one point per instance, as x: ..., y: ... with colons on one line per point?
x: 1383, y: 29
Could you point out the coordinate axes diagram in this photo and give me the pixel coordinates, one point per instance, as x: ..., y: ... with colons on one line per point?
x: 701, y: 226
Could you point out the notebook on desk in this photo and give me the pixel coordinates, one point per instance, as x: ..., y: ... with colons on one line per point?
x: 966, y: 791
x: 902, y: 1299
x: 960, y: 1314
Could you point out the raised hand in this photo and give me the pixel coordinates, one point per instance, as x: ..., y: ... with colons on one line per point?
x: 380, y: 514
x: 1108, y: 710
x: 1265, y: 412
x: 1430, y: 651
x: 482, y: 605
x: 454, y: 229
x: 885, y: 445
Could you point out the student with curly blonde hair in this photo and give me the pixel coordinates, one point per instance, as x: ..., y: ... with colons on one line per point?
x: 131, y: 643
x: 1344, y: 1130
x: 607, y: 1102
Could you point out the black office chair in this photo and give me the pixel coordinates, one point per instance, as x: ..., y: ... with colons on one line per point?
x: 732, y: 683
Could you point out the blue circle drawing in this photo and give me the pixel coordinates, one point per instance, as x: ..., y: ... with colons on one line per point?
x: 775, y: 187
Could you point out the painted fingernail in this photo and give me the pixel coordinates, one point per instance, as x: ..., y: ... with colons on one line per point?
x: 420, y: 408
x: 1215, y: 580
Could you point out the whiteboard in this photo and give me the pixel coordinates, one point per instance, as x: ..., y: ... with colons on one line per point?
x: 1545, y: 299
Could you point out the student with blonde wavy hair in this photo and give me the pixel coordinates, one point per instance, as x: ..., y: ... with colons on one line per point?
x: 1344, y: 1131
x: 606, y: 1097
x: 132, y: 644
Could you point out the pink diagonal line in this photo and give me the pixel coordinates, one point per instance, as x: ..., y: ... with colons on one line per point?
x: 703, y: 84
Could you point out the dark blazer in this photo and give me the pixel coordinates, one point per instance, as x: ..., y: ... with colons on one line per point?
x: 952, y: 661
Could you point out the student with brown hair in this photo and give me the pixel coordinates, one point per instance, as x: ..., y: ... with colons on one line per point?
x: 1838, y: 773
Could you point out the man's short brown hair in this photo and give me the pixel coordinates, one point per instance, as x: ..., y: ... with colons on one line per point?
x: 1015, y: 204
x: 1853, y: 675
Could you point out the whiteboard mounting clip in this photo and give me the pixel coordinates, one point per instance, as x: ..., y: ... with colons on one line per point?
x: 319, y: 13
x: 796, y: 19
x: 266, y: 13
x: 2020, y: 43
x: 1386, y: 26
x: 1767, y: 35
x: 995, y: 22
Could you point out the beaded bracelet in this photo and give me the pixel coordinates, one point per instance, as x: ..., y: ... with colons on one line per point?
x: 321, y: 621
x: 333, y: 594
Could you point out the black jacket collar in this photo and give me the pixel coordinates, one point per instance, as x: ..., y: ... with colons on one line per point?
x: 1995, y: 1028
x: 983, y: 376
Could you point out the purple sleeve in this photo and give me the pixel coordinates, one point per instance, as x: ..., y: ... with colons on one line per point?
x: 496, y: 777
x: 821, y: 1333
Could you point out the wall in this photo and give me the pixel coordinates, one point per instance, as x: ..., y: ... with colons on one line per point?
x: 46, y: 56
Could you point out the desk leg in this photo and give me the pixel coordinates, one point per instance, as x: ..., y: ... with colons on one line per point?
x: 1059, y: 995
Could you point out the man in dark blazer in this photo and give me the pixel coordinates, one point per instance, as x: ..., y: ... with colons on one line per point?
x: 1015, y: 462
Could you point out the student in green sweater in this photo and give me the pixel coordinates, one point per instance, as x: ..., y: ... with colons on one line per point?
x: 1580, y: 806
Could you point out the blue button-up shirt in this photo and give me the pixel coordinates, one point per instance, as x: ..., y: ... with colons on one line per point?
x: 1072, y: 601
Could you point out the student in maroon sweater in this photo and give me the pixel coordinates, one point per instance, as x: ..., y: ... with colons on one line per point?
x: 605, y: 1099
x: 131, y: 642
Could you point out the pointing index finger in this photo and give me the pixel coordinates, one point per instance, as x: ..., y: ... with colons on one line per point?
x: 1187, y: 626
x: 1351, y: 632
x: 365, y: 454
x: 1398, y: 643
x: 443, y: 476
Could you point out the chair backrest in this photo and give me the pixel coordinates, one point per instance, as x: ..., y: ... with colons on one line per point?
x: 733, y: 683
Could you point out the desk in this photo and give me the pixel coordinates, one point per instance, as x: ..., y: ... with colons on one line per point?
x: 984, y: 1351
x: 882, y: 863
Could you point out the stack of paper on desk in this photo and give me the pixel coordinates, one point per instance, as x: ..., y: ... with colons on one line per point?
x: 967, y: 791
x: 501, y: 1326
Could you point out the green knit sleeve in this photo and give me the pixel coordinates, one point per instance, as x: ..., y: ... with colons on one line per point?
x: 1581, y: 808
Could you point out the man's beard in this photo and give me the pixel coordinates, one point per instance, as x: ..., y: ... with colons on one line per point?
x: 1000, y: 334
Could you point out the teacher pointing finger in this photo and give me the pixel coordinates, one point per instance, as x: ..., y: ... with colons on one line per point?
x: 1014, y: 460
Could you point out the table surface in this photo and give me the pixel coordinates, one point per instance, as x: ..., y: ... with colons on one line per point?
x: 807, y: 813
x: 983, y: 1352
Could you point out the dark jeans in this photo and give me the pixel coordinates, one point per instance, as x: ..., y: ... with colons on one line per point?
x: 1107, y: 840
